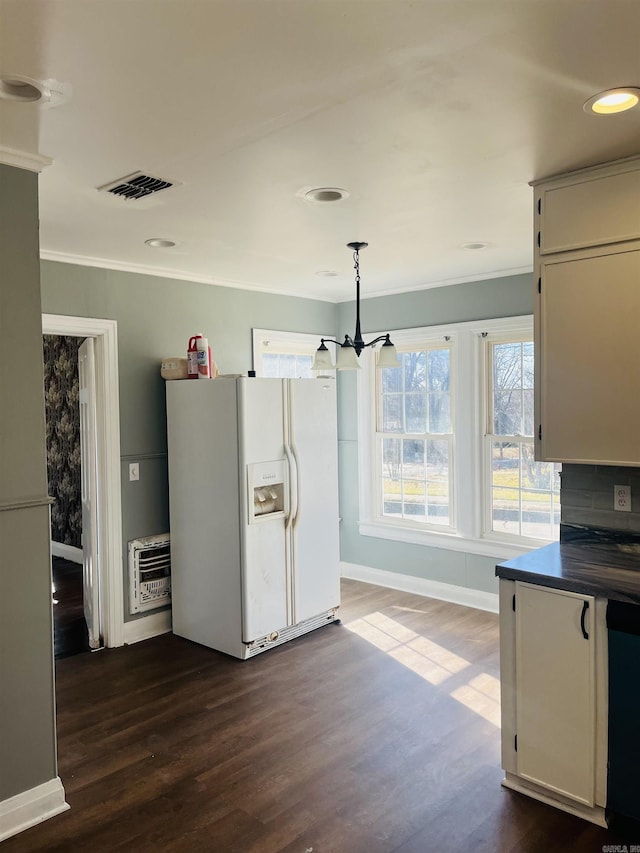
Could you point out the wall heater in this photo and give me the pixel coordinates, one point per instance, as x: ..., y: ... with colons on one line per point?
x: 149, y: 572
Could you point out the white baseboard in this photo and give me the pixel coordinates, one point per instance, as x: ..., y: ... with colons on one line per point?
x: 149, y: 626
x: 68, y: 552
x: 422, y: 586
x: 31, y: 807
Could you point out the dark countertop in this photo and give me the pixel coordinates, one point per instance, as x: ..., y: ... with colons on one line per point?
x: 606, y: 569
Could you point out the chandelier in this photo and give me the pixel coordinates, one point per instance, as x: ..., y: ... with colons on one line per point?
x: 349, y: 351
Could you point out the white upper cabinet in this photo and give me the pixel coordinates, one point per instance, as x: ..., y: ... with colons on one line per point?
x: 592, y: 210
x: 587, y: 316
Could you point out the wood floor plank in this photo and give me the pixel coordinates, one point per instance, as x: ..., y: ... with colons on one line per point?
x: 377, y: 735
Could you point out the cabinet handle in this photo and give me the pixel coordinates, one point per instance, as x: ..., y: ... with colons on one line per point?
x: 585, y: 607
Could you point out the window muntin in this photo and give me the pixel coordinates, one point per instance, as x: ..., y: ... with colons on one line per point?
x: 524, y: 495
x: 414, y: 438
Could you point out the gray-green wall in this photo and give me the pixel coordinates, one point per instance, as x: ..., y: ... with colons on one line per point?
x: 27, y: 716
x: 510, y: 296
x: 156, y: 316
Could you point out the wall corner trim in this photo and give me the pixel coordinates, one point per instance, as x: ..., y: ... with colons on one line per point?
x: 31, y: 807
x: 147, y: 626
x: 23, y: 159
x: 422, y: 586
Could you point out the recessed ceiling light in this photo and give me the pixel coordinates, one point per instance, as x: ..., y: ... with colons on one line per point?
x: 159, y: 243
x: 17, y: 87
x: 613, y: 101
x: 474, y: 246
x: 325, y: 194
x: 326, y: 273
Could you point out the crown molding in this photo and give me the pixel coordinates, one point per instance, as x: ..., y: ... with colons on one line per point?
x: 141, y: 269
x: 446, y: 282
x: 23, y: 159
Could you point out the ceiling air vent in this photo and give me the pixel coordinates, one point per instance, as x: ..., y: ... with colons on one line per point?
x: 135, y: 186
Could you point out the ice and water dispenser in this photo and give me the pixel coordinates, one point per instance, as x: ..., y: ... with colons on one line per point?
x: 267, y: 490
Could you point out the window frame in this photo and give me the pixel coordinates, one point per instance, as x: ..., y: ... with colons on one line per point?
x: 469, y: 414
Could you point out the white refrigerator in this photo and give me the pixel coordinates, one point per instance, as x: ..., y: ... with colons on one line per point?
x: 253, y: 501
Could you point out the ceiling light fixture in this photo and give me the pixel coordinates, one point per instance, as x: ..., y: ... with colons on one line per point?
x: 349, y: 351
x: 475, y: 246
x: 159, y: 243
x: 323, y: 195
x: 613, y: 101
x: 17, y: 87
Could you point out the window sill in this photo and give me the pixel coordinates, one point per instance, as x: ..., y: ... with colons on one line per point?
x: 499, y: 549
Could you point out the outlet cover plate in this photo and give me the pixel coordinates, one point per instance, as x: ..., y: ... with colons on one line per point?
x: 622, y: 498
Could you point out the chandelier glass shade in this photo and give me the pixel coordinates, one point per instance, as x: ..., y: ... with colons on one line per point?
x: 348, y: 352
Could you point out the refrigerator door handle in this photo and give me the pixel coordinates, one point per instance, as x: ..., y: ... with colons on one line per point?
x: 296, y: 516
x: 293, y: 487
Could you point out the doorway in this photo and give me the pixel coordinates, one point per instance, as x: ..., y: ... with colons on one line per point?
x: 66, y: 485
x: 101, y: 554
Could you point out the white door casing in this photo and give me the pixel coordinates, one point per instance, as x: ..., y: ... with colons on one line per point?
x: 107, y: 408
x: 89, y: 492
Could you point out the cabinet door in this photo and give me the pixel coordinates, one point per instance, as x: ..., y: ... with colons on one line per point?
x: 593, y: 211
x: 589, y: 367
x: 555, y: 691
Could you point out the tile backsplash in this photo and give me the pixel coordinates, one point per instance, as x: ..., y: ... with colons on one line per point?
x: 587, y: 495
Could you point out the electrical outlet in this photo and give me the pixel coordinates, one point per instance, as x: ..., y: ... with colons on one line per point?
x: 134, y: 471
x: 622, y: 498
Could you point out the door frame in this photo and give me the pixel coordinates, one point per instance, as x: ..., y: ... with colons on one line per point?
x: 105, y: 335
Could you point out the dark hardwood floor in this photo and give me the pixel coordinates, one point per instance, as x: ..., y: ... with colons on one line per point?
x: 376, y: 735
x: 69, y: 627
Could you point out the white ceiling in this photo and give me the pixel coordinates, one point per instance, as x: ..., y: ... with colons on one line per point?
x: 433, y: 114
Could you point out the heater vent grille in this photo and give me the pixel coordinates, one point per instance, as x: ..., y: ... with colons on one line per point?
x: 136, y: 186
x: 149, y: 572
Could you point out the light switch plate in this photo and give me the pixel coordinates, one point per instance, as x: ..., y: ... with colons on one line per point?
x: 134, y: 471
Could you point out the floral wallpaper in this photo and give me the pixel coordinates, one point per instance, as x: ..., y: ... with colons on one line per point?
x: 63, y: 436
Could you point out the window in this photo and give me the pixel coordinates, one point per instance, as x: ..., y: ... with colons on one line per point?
x: 287, y: 365
x: 524, y: 498
x: 284, y: 355
x: 445, y: 442
x: 414, y: 437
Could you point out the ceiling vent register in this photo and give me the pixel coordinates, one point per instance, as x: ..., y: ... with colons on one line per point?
x: 136, y: 186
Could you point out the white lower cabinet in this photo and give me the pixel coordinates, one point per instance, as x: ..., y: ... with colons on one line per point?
x: 554, y: 705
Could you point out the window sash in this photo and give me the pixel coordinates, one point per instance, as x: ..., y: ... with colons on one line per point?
x: 429, y: 488
x: 415, y: 485
x: 515, y: 507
